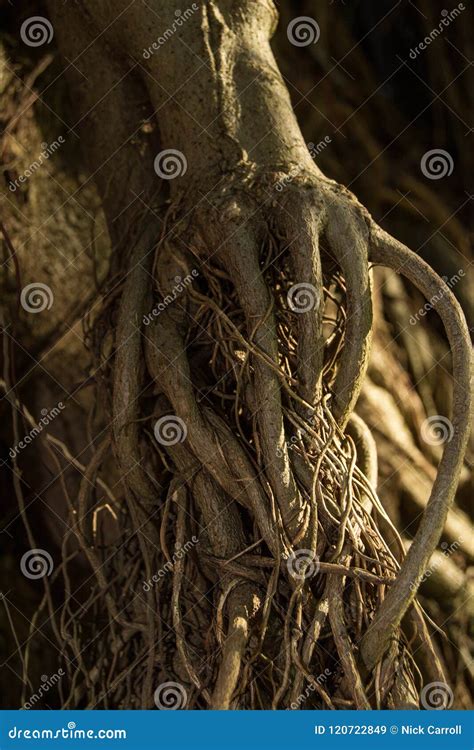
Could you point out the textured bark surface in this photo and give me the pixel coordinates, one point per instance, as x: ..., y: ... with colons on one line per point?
x: 298, y: 570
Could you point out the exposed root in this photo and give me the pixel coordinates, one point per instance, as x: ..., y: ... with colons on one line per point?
x: 253, y: 557
x: 386, y: 250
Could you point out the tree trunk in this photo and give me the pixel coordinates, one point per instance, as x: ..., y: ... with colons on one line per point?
x: 257, y: 566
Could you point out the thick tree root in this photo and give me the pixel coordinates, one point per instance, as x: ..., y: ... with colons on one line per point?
x: 256, y: 571
x: 387, y: 251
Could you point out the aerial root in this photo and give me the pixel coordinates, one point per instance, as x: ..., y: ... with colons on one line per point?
x: 388, y: 251
x: 290, y: 596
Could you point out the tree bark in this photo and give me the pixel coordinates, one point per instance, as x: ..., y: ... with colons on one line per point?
x: 271, y: 465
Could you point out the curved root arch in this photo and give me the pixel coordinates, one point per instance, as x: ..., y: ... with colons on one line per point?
x: 252, y: 554
x: 290, y: 595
